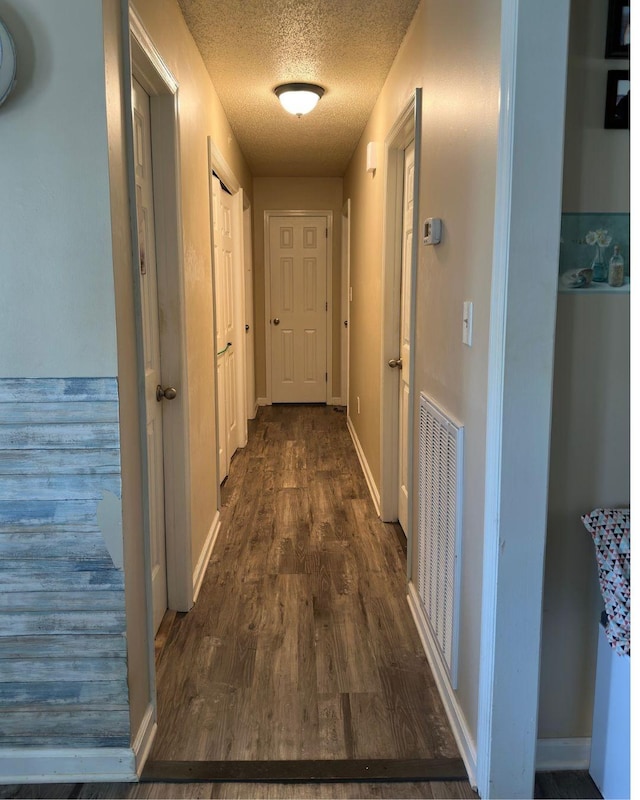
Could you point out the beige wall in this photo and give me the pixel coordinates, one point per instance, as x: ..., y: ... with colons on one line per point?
x: 138, y: 644
x: 280, y: 194
x: 200, y: 115
x: 589, y: 468
x: 452, y: 51
x: 590, y: 433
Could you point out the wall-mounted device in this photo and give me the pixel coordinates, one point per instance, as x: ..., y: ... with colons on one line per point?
x: 7, y: 63
x: 372, y: 157
x: 432, y: 230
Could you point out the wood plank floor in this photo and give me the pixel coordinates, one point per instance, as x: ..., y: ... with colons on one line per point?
x: 301, y: 644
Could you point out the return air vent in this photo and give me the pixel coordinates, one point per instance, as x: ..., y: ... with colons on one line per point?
x: 439, y: 529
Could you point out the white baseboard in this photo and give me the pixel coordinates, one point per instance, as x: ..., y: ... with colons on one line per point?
x: 205, y: 555
x: 67, y: 765
x: 555, y: 755
x: 144, y: 738
x: 456, y: 718
x: 262, y: 401
x: 373, y: 489
x: 337, y: 401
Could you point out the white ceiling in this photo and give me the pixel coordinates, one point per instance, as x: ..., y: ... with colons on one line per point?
x: 251, y: 46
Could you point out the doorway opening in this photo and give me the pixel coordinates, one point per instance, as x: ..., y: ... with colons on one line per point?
x: 159, y: 85
x: 401, y: 223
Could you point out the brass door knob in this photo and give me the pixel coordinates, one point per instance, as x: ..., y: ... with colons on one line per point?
x: 276, y: 321
x: 165, y: 394
x: 395, y: 363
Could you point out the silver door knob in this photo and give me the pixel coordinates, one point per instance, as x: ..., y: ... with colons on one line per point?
x: 165, y: 394
x: 276, y: 321
x: 395, y: 362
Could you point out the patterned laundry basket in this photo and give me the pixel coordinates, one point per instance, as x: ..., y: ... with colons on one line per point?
x: 610, y: 531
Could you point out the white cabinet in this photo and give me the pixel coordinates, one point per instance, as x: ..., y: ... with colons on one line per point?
x: 610, y: 740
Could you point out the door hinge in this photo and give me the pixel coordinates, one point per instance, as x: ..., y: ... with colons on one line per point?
x: 326, y: 377
x: 326, y: 233
x: 326, y: 305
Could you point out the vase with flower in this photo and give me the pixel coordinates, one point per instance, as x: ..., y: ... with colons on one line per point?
x: 601, y: 240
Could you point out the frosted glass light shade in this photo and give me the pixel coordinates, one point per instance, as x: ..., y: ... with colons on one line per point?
x: 299, y: 98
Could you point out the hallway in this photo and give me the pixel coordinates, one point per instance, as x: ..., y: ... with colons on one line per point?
x: 301, y: 644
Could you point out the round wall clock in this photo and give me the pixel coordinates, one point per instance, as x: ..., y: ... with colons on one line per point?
x: 7, y: 63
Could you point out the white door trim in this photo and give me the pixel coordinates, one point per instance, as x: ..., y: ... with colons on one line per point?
x: 407, y: 127
x: 247, y: 257
x: 218, y: 165
x: 520, y: 379
x: 328, y: 215
x: 150, y: 70
x: 345, y: 320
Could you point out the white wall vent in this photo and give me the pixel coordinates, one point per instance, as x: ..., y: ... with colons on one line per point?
x: 439, y: 529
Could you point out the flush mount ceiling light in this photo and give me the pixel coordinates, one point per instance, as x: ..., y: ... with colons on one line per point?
x: 299, y: 98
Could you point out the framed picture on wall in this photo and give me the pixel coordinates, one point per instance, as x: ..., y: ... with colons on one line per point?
x: 618, y: 29
x: 616, y: 110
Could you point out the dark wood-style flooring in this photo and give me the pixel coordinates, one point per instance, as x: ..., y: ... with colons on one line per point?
x: 301, y: 644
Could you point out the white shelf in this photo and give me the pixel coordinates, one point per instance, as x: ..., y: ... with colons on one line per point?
x: 598, y: 288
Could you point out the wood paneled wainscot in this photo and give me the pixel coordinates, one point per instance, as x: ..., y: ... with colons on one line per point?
x: 63, y: 670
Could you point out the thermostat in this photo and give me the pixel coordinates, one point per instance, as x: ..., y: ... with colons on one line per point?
x: 432, y: 230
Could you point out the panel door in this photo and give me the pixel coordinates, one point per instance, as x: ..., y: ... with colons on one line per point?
x: 405, y: 323
x: 151, y: 346
x: 298, y: 296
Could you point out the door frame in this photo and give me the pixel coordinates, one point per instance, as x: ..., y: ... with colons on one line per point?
x: 328, y: 215
x: 346, y: 302
x: 218, y: 164
x: 249, y: 317
x: 149, y: 69
x: 406, y: 128
x: 524, y: 287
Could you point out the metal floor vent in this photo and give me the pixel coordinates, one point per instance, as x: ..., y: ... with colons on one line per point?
x: 439, y: 529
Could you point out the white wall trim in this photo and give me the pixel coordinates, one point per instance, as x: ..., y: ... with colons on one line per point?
x: 520, y: 379
x: 497, y: 335
x: 161, y: 70
x: 337, y: 401
x: 456, y: 718
x: 205, y: 555
x: 67, y: 765
x: 366, y: 469
x: 554, y: 755
x: 144, y: 738
x: 262, y: 401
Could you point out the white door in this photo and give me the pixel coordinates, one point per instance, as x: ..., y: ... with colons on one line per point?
x: 151, y: 346
x: 298, y: 297
x: 405, y: 327
x: 226, y: 325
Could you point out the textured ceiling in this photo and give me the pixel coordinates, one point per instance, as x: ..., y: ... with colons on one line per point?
x: 251, y: 46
